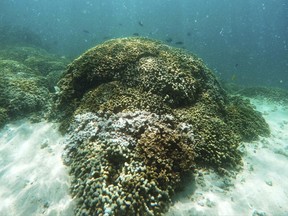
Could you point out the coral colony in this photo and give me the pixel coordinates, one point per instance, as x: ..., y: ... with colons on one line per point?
x: 139, y: 115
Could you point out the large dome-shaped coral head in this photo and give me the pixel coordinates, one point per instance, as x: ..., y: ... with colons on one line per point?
x: 139, y: 116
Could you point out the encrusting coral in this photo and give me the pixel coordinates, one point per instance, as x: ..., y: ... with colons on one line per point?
x: 139, y: 114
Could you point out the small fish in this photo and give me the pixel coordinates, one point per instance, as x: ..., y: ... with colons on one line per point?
x: 179, y: 43
x: 189, y: 34
x: 86, y: 31
x: 236, y: 65
x: 169, y: 40
x: 140, y: 23
x: 135, y: 34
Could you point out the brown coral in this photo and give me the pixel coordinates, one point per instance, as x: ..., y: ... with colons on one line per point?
x: 164, y: 109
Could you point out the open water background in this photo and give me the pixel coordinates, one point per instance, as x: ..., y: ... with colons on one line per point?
x: 243, y: 41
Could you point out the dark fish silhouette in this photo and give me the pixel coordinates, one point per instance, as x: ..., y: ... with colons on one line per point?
x: 135, y: 34
x: 179, y: 43
x: 86, y: 31
x: 140, y: 23
x: 169, y: 40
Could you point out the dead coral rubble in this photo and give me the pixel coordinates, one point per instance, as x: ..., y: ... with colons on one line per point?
x: 139, y: 115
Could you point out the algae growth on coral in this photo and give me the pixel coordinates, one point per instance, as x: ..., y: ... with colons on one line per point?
x: 140, y: 115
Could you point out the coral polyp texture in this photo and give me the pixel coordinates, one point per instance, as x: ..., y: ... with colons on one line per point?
x: 139, y: 116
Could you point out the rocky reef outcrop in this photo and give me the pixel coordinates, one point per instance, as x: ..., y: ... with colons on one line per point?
x: 139, y: 116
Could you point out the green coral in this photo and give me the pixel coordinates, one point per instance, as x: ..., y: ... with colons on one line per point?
x: 22, y: 91
x: 246, y: 122
x: 273, y: 94
x: 36, y: 59
x: 3, y: 117
x: 25, y: 96
x: 267, y: 93
x: 24, y: 88
x: 12, y: 67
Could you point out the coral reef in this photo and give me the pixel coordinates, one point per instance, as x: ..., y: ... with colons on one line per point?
x: 217, y: 144
x: 37, y: 59
x: 272, y: 94
x: 244, y: 120
x: 25, y: 85
x: 175, y: 76
x: 139, y: 115
x: 3, y: 117
x: 127, y: 163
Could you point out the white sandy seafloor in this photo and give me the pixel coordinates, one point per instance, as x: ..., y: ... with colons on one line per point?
x: 260, y: 189
x: 33, y: 179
